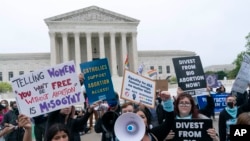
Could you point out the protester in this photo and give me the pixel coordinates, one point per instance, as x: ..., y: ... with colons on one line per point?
x: 208, y: 110
x: 58, y: 131
x: 127, y: 107
x: 66, y: 116
x: 114, y: 111
x: 5, y: 104
x: 84, y: 129
x: 13, y: 133
x: 185, y: 108
x: 228, y: 116
x: 25, y: 122
x: 157, y: 133
x: 1, y: 113
x: 243, y: 119
x: 163, y: 106
x: 39, y: 126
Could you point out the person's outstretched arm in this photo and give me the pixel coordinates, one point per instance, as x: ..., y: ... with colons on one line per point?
x: 25, y: 122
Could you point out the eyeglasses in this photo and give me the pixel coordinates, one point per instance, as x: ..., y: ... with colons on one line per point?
x: 184, y: 104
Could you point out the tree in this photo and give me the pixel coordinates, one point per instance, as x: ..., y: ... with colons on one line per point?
x: 238, y: 60
x: 5, y: 87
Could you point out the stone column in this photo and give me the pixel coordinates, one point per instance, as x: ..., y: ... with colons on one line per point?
x: 134, y: 51
x: 124, y: 49
x: 77, y: 51
x: 53, y: 55
x: 113, y: 54
x: 101, y: 45
x: 65, y: 47
x: 89, y: 47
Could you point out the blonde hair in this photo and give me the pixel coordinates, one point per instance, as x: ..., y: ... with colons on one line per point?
x: 244, y: 118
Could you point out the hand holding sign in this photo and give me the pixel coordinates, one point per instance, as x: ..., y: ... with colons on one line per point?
x: 212, y: 133
x: 93, y: 106
x: 171, y: 135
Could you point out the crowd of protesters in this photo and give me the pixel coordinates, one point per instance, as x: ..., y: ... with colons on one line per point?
x: 70, y: 123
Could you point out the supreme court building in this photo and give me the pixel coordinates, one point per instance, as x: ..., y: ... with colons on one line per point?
x: 88, y: 34
x: 93, y: 33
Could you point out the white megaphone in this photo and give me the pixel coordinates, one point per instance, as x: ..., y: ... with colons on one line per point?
x: 129, y: 127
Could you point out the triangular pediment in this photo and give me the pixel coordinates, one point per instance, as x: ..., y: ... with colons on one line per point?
x: 91, y: 14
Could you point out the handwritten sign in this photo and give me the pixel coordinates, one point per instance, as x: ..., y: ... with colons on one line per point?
x: 189, y: 73
x: 47, y: 90
x: 137, y: 88
x: 98, y: 82
x: 192, y: 129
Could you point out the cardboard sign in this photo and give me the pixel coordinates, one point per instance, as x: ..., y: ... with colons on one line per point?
x: 189, y: 73
x: 97, y: 80
x: 161, y: 85
x: 137, y: 88
x: 192, y: 129
x: 47, y: 90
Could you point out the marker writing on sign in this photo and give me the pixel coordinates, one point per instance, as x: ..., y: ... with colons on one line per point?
x: 67, y: 100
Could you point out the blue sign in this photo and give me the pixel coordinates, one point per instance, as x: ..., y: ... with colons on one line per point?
x: 219, y: 101
x: 97, y: 80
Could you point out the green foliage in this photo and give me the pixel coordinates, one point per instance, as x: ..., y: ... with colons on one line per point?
x: 173, y: 80
x: 238, y: 60
x: 5, y: 87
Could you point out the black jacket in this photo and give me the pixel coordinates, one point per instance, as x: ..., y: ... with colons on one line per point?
x: 73, y: 125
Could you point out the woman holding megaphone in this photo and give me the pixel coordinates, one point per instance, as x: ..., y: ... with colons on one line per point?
x: 157, y: 133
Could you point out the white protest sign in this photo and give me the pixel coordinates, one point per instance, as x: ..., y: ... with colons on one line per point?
x: 243, y: 77
x: 47, y: 90
x: 137, y: 88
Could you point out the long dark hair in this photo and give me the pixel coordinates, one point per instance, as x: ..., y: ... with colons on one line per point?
x: 55, y: 128
x: 194, y: 111
x: 148, y: 115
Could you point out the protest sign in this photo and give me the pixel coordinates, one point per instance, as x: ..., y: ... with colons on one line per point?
x: 212, y: 80
x: 47, y: 90
x: 137, y: 88
x: 219, y: 101
x: 97, y: 80
x: 243, y: 77
x: 189, y: 73
x: 192, y: 129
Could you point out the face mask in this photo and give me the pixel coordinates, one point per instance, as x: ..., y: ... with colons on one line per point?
x: 81, y: 82
x: 230, y: 104
x: 4, y: 105
x: 15, y: 110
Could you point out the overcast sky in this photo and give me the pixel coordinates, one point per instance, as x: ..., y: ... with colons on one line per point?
x: 213, y: 29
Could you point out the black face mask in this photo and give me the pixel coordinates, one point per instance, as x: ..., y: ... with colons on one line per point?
x: 230, y: 104
x: 15, y: 110
x: 81, y: 82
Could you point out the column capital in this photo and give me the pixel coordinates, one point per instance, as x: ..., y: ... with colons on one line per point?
x: 134, y: 33
x: 52, y: 34
x: 64, y: 34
